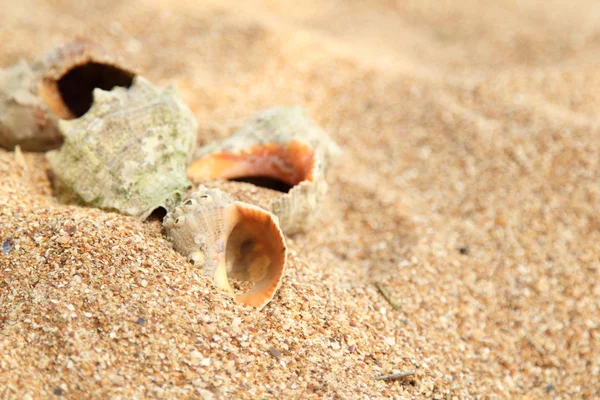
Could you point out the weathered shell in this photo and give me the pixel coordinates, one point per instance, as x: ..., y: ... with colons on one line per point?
x: 230, y: 240
x: 24, y: 119
x: 279, y: 143
x: 57, y: 85
x: 70, y: 73
x: 128, y: 152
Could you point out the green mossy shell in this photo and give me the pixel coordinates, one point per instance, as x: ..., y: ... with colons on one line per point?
x: 129, y: 151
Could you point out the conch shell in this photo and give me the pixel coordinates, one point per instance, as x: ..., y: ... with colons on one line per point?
x: 280, y: 143
x: 129, y: 151
x: 230, y: 239
x: 58, y: 85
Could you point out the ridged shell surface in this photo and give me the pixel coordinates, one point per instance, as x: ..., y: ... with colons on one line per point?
x: 128, y: 152
x: 279, y: 143
x: 230, y: 240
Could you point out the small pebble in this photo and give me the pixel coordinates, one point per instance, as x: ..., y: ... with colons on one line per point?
x: 141, y: 321
x: 7, y: 246
x: 58, y: 391
x: 274, y: 352
x: 235, y: 324
x: 205, y: 362
x: 464, y: 250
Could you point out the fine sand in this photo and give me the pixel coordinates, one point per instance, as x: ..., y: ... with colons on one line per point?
x: 468, y: 190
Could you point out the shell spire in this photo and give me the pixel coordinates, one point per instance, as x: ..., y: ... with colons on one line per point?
x: 230, y: 241
x: 128, y: 152
x: 281, y: 144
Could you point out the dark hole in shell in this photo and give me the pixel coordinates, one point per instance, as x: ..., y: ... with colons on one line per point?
x: 266, y: 182
x: 76, y: 86
x: 158, y: 215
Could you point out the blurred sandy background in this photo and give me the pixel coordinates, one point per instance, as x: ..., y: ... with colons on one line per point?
x: 469, y: 188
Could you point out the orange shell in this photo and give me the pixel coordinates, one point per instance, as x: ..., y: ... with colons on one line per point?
x: 230, y: 240
x: 70, y: 73
x: 265, y: 262
x: 280, y: 148
x: 292, y: 162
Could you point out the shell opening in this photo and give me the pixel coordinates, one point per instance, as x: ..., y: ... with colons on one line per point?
x: 266, y: 182
x: 158, y: 214
x: 255, y: 256
x: 76, y: 86
x: 273, y: 165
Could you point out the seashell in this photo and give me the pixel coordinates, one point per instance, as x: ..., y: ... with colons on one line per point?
x: 70, y: 73
x: 230, y: 240
x: 128, y: 152
x: 24, y: 119
x: 281, y: 144
x: 58, y: 85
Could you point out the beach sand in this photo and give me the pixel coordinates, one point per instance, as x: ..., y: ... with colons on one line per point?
x: 468, y: 189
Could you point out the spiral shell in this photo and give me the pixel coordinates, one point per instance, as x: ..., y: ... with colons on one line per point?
x: 279, y: 143
x: 128, y: 152
x: 58, y: 85
x: 230, y: 240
